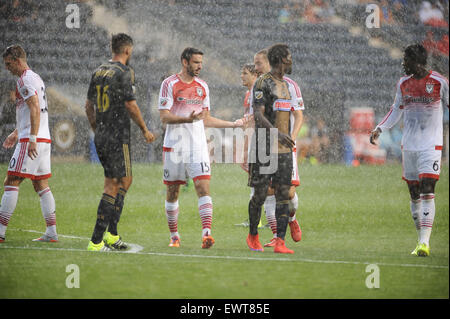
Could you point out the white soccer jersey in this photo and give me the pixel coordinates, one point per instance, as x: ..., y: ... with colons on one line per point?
x: 421, y: 101
x: 182, y: 99
x: 27, y: 85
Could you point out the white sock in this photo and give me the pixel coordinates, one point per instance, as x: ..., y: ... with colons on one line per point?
x: 269, y: 208
x: 416, y: 206
x: 172, y: 218
x: 293, y: 206
x: 205, y: 209
x: 426, y: 218
x: 8, y: 205
x: 48, y: 211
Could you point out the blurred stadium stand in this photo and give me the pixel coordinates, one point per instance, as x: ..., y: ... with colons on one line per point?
x: 337, y: 69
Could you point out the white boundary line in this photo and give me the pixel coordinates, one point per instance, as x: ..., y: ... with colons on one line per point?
x: 137, y: 250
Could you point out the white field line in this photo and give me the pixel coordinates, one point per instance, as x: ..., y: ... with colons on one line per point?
x: 136, y: 249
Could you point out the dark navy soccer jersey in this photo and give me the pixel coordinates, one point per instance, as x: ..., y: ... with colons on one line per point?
x: 274, y: 95
x: 112, y: 84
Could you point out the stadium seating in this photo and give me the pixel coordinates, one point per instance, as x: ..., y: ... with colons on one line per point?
x: 327, y: 57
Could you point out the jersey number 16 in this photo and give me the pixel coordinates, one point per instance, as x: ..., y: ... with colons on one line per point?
x: 102, y: 98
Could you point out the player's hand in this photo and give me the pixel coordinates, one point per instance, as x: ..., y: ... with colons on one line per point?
x: 197, y: 117
x: 32, y: 150
x: 149, y: 137
x: 238, y: 123
x: 11, y: 140
x: 285, y: 140
x: 374, y: 135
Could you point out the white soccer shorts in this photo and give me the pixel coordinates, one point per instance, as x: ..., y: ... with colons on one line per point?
x: 177, y: 164
x: 22, y: 165
x: 424, y: 164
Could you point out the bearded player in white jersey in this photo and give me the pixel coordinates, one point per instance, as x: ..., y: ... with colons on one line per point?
x: 421, y: 96
x: 184, y: 106
x: 31, y: 158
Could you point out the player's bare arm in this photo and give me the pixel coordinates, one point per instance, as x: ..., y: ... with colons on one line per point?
x: 374, y: 135
x: 35, y: 113
x: 298, y: 122
x: 211, y: 121
x: 169, y: 118
x: 136, y: 116
x: 90, y: 113
x: 262, y: 121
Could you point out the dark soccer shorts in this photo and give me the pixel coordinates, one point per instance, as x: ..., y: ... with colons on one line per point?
x: 115, y: 159
x: 282, y: 175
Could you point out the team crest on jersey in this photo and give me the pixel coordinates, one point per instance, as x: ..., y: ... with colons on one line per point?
x: 258, y: 94
x: 199, y: 91
x: 429, y: 87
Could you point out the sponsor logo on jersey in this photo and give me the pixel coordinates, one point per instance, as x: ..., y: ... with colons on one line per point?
x: 282, y: 105
x: 418, y: 99
x: 189, y: 101
x: 429, y: 87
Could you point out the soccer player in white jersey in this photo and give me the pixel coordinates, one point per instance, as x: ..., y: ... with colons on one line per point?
x: 420, y: 97
x: 262, y: 66
x: 184, y: 105
x: 31, y: 158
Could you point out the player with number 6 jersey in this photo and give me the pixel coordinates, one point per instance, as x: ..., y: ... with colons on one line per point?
x: 420, y: 97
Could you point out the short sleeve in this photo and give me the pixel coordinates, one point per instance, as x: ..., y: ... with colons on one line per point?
x: 259, y: 94
x: 26, y: 88
x: 128, y: 87
x: 206, y: 102
x: 165, y: 100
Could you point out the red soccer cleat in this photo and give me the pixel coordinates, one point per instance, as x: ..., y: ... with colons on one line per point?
x: 2, y: 240
x: 296, y: 232
x: 281, y: 248
x: 207, y: 242
x: 271, y: 243
x: 253, y: 243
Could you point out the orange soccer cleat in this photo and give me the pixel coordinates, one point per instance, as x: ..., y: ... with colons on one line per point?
x: 253, y: 243
x: 207, y: 242
x: 281, y: 248
x: 271, y: 243
x: 174, y: 241
x: 296, y: 232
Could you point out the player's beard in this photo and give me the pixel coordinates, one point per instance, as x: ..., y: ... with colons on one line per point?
x: 192, y: 72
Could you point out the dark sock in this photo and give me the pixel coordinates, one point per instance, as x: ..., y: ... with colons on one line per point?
x: 254, y: 215
x: 120, y: 197
x: 282, y: 215
x: 104, y: 212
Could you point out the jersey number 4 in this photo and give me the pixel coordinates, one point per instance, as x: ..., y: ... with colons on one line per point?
x: 102, y: 98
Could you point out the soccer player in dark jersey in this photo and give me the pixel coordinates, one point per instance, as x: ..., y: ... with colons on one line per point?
x: 272, y: 104
x: 110, y: 104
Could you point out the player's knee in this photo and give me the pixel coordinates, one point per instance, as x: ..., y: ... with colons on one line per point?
x: 12, y: 181
x: 427, y: 186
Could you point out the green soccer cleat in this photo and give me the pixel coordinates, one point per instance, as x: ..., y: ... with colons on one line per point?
x: 114, y: 242
x: 414, y: 252
x: 423, y: 250
x: 98, y: 247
